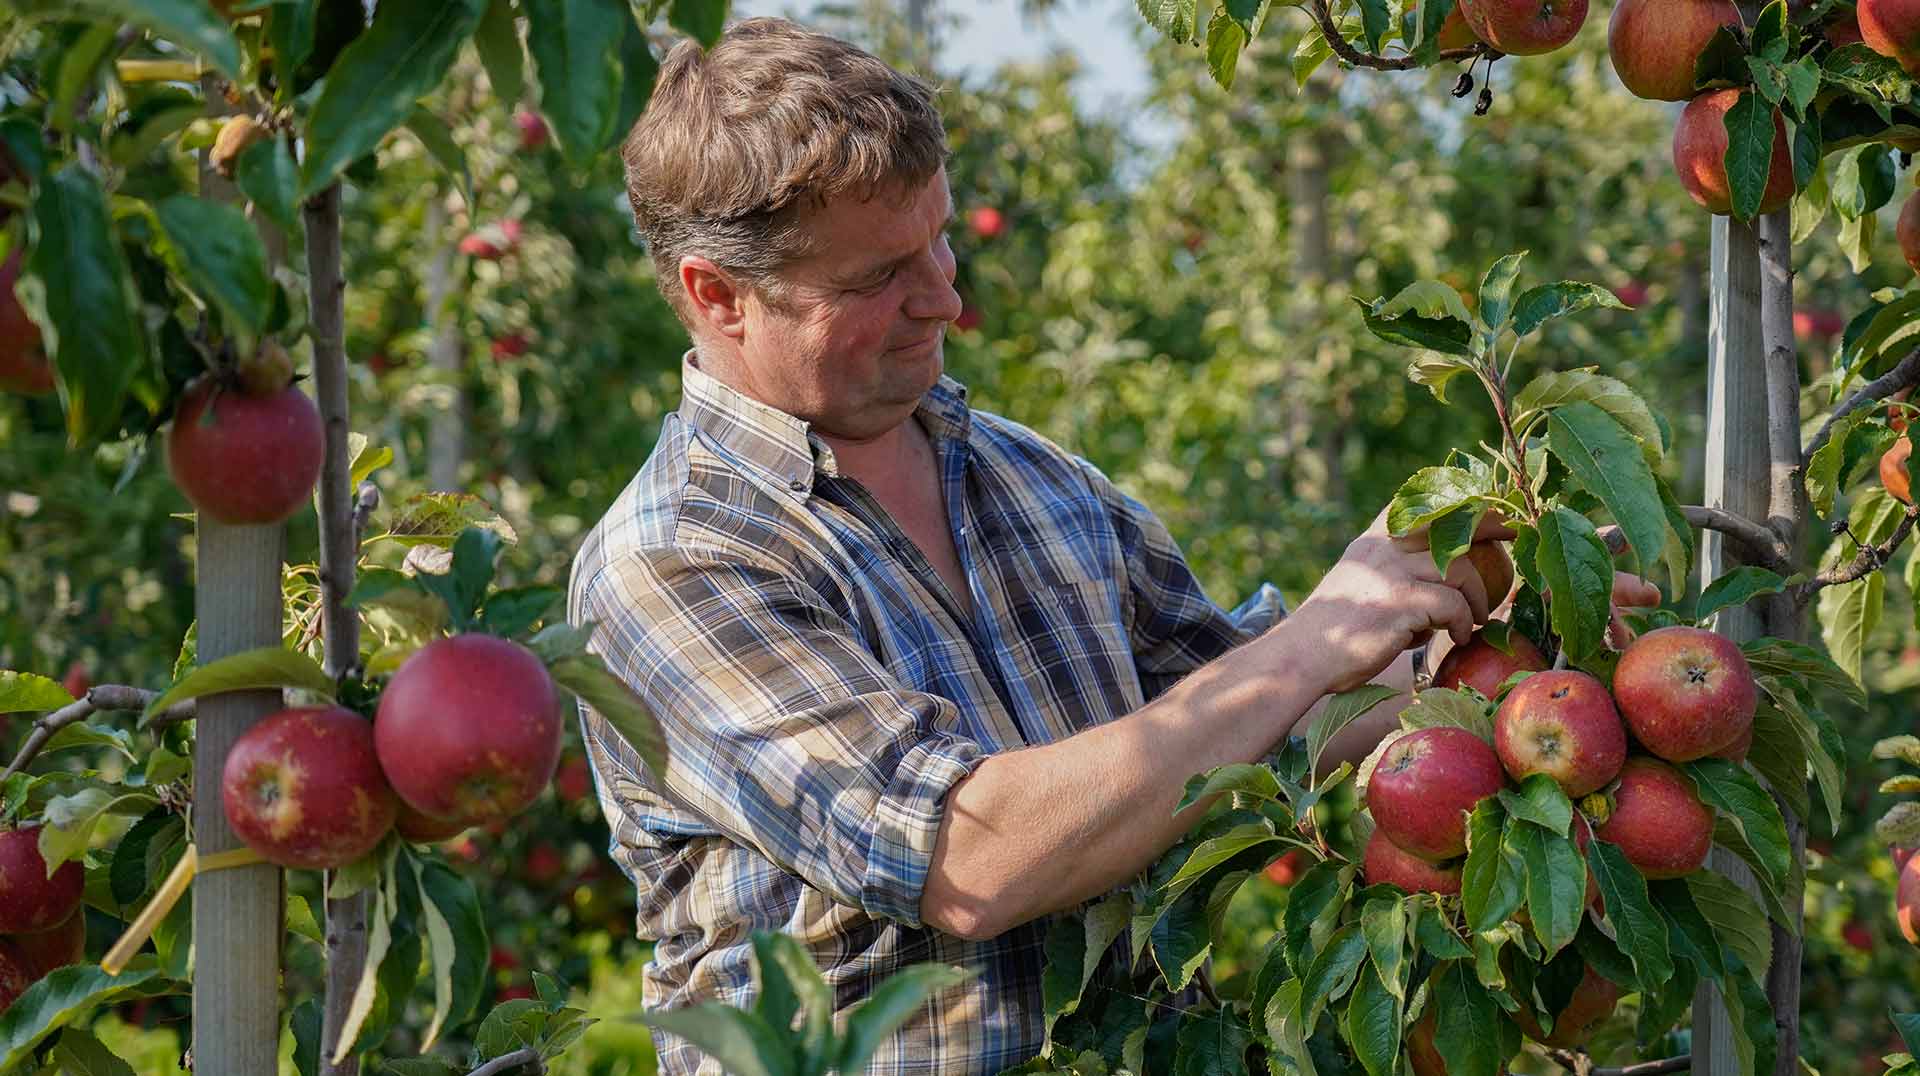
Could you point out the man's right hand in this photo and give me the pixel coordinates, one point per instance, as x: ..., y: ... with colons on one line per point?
x: 1385, y: 597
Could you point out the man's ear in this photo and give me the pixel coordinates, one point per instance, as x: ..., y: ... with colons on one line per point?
x: 714, y: 296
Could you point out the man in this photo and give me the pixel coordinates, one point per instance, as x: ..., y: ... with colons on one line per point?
x: 925, y: 677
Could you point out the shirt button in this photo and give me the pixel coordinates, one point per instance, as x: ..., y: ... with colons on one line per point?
x: 794, y: 483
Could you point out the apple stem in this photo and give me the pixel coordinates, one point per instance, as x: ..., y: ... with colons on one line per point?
x: 1322, y: 14
x: 99, y: 699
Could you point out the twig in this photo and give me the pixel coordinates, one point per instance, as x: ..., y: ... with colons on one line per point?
x: 1583, y: 1065
x: 365, y: 500
x: 1905, y: 375
x: 1330, y: 29
x: 1869, y: 559
x: 102, y: 697
x: 524, y: 1056
x: 1760, y: 546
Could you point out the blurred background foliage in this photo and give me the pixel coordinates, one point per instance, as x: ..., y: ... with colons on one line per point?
x: 1177, y: 310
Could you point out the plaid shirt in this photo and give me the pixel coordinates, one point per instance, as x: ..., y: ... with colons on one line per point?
x: 821, y: 691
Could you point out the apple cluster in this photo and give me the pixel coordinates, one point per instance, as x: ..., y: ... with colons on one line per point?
x: 42, y: 926
x: 467, y: 733
x: 1678, y: 694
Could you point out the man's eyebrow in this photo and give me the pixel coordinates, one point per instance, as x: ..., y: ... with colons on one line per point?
x: 874, y: 269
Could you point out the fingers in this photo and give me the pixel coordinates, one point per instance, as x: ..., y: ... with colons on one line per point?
x: 1493, y: 528
x: 1463, y: 575
x: 1446, y: 607
x: 1632, y: 592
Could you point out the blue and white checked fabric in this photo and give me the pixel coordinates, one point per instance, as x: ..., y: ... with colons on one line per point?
x: 821, y: 691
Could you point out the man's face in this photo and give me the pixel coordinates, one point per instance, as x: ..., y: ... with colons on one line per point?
x: 858, y: 340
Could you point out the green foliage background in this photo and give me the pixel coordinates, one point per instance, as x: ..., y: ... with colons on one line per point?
x: 1147, y: 308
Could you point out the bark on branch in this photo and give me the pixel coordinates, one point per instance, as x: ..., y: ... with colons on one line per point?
x: 98, y: 699
x: 1322, y: 14
x: 1582, y: 1065
x: 1905, y: 375
x: 1870, y: 559
x: 508, y: 1062
x: 1759, y: 545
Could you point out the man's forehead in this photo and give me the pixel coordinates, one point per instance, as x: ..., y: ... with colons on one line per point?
x: 854, y: 232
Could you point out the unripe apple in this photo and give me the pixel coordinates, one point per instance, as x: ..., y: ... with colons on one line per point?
x: 1700, y: 155
x: 1685, y: 692
x: 1561, y: 723
x: 1906, y: 900
x: 1524, y: 27
x: 1482, y: 666
x: 1286, y: 870
x: 1592, y: 1002
x: 235, y: 136
x: 987, y: 222
x: 469, y: 729
x: 1892, y: 29
x: 1387, y: 863
x: 44, y: 950
x: 1907, y: 231
x: 1658, y: 820
x: 1656, y: 43
x: 245, y: 459
x: 1425, y: 785
x: 303, y: 788
x: 29, y: 899
x: 24, y: 368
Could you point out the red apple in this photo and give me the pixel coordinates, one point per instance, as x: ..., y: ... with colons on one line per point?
x: 30, y: 900
x: 1561, y: 723
x: 1906, y: 901
x: 303, y: 788
x: 1455, y: 33
x: 1490, y: 559
x: 1286, y: 870
x: 1658, y: 820
x: 1482, y: 666
x: 419, y: 829
x: 23, y: 361
x: 77, y: 682
x: 1426, y: 783
x: 969, y: 318
x: 1737, y: 750
x: 1524, y: 27
x: 533, y: 129
x: 1700, y: 155
x: 1421, y: 1050
x: 481, y: 246
x: 512, y: 229
x: 574, y: 780
x: 1656, y: 43
x: 1592, y: 1002
x: 1388, y: 863
x: 1907, y: 231
x: 1893, y: 470
x: 987, y: 222
x: 1898, y: 853
x: 544, y: 864
x: 510, y: 346
x: 1633, y: 292
x: 45, y: 950
x: 469, y: 729
x: 1892, y: 28
x: 1858, y: 934
x: 1843, y: 30
x: 245, y: 459
x: 14, y: 976
x: 1685, y: 692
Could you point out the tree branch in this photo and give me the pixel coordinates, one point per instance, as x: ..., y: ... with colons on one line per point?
x: 1905, y: 375
x: 1583, y: 1065
x: 1869, y: 559
x: 1759, y: 545
x: 505, y: 1062
x: 98, y: 699
x: 1330, y: 29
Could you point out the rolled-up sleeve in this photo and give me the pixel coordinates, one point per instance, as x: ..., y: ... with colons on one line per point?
x: 784, y: 730
x: 1175, y: 628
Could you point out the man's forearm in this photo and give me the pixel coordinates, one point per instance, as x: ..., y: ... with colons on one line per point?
x: 1041, y: 829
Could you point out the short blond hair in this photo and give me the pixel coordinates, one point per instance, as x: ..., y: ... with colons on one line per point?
x: 738, y: 140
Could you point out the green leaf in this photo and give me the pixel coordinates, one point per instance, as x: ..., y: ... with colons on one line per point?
x: 1384, y: 924
x: 1755, y: 1036
x: 1468, y: 1029
x: 267, y: 174
x: 1214, y: 851
x: 638, y: 70
x: 1433, y: 492
x: 576, y: 47
x: 1445, y: 335
x: 1562, y: 387
x: 511, y: 1025
x: 381, y: 908
x: 1575, y: 564
x: 509, y: 613
x: 191, y: 23
x: 1075, y: 945
x: 1375, y: 21
x: 739, y: 1041
x: 1239, y: 778
x: 1373, y: 1024
x: 69, y: 996
x: 374, y: 83
x: 1736, y: 588
x: 1740, y: 799
x: 703, y: 20
x: 892, y: 1002
x: 1779, y: 756
x: 457, y: 944
x: 1848, y: 613
x: 1314, y: 894
x: 1798, y: 661
x: 440, y: 518
x: 1607, y: 460
x: 1225, y: 40
x: 1556, y: 883
x: 127, y: 874
x: 1737, y: 920
x: 1332, y: 972
x: 1444, y: 707
x: 1340, y: 711
x: 1492, y: 884
x: 590, y: 681
x: 1541, y: 802
x: 1900, y: 826
x: 1435, y: 370
x: 1689, y: 935
x: 22, y: 693
x: 1179, y: 938
x: 1496, y: 291
x: 785, y: 957
x: 267, y: 668
x: 1908, y: 1026
x: 80, y: 1054
x: 497, y: 40
x: 76, y: 286
x: 1641, y: 933
x: 220, y: 256
x: 1750, y: 138
x: 437, y: 137
x: 1545, y: 302
x: 72, y: 818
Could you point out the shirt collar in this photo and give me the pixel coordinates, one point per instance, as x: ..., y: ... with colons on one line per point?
x: 784, y: 446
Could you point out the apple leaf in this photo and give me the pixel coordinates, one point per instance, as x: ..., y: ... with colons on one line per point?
x: 509, y: 613
x: 1240, y: 778
x: 1435, y: 370
x: 1800, y: 662
x: 267, y: 174
x: 1779, y: 756
x: 1433, y: 492
x: 1737, y: 920
x: 576, y: 59
x: 217, y: 252
x: 1340, y: 711
x: 1583, y: 385
x: 1075, y: 945
x: 68, y: 996
x: 1332, y: 972
x: 1750, y: 1014
x: 30, y: 693
x: 1313, y: 904
x: 1736, y: 588
x: 457, y: 944
x: 1739, y: 798
x: 590, y: 681
x: 262, y: 669
x: 1179, y: 940
x: 739, y: 1041
x: 1541, y: 802
x: 1492, y: 884
x: 1545, y: 302
x: 1900, y: 825
x: 1385, y: 923
x: 1576, y: 567
x: 1606, y: 459
x: 1689, y: 935
x: 1446, y: 335
x: 1640, y: 931
x: 1225, y: 40
x: 1908, y: 1026
x: 903, y: 994
x: 1750, y: 147
x: 1468, y: 1030
x: 1217, y: 850
x: 1496, y: 292
x: 1375, y: 21
x: 191, y: 23
x: 1556, y: 882
x: 1373, y: 1023
x: 72, y: 818
x: 1445, y: 707
x: 439, y: 518
x: 780, y: 959
x: 1848, y: 613
x: 1904, y: 747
